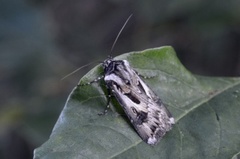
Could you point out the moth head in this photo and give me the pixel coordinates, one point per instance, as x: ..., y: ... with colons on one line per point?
x: 107, y: 64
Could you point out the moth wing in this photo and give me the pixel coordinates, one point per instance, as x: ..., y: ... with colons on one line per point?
x: 145, y: 111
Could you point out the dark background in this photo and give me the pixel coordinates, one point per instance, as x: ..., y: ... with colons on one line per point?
x: 43, y: 40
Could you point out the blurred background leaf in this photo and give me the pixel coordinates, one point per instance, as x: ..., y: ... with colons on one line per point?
x: 43, y: 40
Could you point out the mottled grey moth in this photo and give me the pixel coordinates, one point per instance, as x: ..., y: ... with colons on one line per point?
x: 145, y: 110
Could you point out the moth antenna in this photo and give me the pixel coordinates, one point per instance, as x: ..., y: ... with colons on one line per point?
x: 77, y: 70
x: 115, y: 41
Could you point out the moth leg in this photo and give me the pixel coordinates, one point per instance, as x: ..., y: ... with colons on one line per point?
x: 145, y: 77
x: 109, y: 95
x: 91, y: 82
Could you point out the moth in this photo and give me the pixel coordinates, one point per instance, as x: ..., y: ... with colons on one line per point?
x: 150, y: 118
x: 145, y: 110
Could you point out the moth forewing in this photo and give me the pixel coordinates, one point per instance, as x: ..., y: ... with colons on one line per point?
x: 149, y: 116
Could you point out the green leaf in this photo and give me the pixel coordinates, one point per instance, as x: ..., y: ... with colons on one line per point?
x: 206, y: 109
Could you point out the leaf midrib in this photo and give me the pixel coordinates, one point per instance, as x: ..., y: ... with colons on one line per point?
x: 207, y: 99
